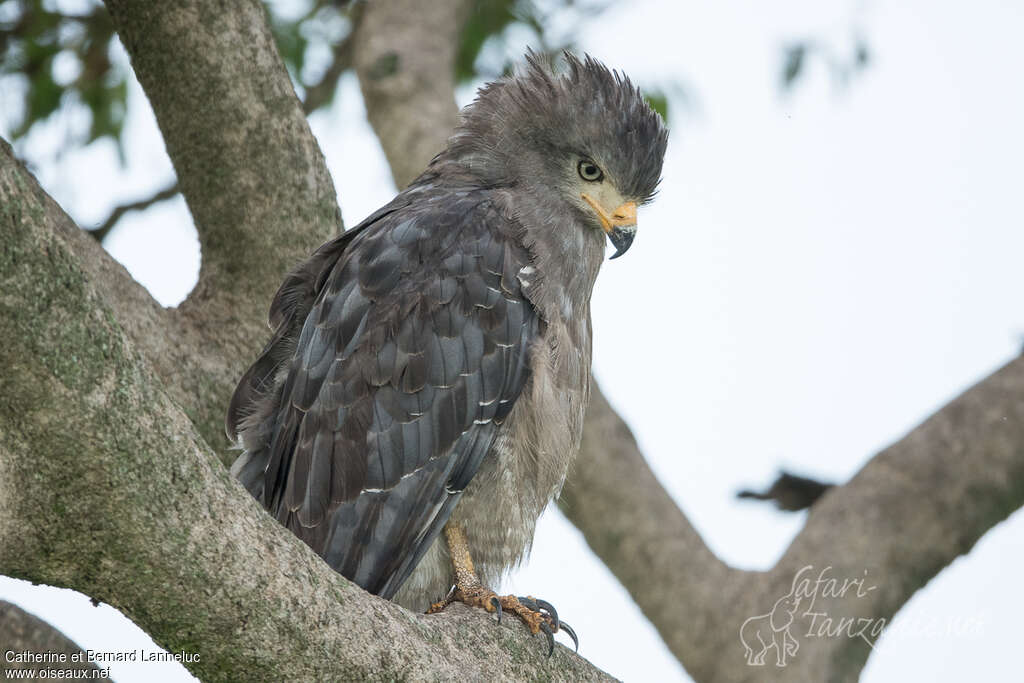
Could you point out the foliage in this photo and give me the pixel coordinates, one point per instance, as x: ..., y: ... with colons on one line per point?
x: 842, y: 68
x: 64, y: 54
x: 61, y: 58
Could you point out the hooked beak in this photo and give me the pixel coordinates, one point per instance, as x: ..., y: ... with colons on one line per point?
x: 620, y: 225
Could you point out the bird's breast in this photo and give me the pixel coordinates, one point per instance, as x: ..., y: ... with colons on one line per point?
x: 531, y: 454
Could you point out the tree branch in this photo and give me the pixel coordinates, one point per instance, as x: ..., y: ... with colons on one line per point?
x: 913, y: 509
x: 947, y: 482
x: 100, y: 232
x: 106, y: 488
x: 234, y: 129
x: 148, y: 324
x: 405, y: 60
x: 175, y: 351
x: 320, y: 93
x: 251, y: 172
x: 632, y: 524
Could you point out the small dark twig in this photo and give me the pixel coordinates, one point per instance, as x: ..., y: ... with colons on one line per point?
x: 790, y: 492
x: 167, y: 193
x: 321, y: 92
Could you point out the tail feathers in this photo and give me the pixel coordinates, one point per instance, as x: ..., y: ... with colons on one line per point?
x: 248, y: 468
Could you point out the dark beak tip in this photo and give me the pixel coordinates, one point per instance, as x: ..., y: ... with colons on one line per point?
x: 621, y: 239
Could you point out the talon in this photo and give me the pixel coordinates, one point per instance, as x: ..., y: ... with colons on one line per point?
x: 497, y: 606
x: 551, y: 637
x: 441, y: 604
x: 537, y: 615
x: 572, y: 634
x: 552, y: 613
x: 528, y: 603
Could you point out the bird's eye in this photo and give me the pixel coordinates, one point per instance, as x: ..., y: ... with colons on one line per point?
x: 589, y: 171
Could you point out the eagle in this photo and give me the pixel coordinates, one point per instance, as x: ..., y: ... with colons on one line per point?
x: 421, y: 398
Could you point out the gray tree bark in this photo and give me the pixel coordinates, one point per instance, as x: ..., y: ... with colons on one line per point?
x: 405, y: 60
x: 911, y: 510
x: 111, y: 444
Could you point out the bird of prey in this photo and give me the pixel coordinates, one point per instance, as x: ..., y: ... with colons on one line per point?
x: 429, y: 368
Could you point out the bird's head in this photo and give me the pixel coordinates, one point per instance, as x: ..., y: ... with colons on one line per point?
x: 584, y: 140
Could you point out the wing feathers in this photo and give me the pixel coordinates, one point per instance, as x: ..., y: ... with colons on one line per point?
x: 408, y: 345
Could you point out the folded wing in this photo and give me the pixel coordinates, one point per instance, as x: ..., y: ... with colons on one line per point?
x: 399, y: 350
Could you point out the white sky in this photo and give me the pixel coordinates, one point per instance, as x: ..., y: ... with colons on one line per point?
x: 819, y: 273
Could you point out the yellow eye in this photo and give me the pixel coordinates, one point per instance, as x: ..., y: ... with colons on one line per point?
x: 589, y: 171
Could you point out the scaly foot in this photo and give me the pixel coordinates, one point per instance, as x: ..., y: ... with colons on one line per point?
x: 539, y: 616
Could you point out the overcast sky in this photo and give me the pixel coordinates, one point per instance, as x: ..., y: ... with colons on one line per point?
x: 820, y: 272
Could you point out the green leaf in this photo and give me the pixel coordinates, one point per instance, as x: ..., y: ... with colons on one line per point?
x: 33, y: 36
x: 487, y: 18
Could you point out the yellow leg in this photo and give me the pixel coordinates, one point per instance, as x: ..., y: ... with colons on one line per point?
x: 470, y: 591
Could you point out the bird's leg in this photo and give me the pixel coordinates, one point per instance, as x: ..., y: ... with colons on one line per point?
x: 468, y: 588
x: 538, y: 615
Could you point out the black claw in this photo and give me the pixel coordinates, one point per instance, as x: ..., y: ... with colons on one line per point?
x: 572, y: 634
x: 551, y: 637
x: 547, y: 606
x: 528, y: 603
x: 497, y: 606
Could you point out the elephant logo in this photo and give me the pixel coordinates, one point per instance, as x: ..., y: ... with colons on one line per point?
x: 763, y: 632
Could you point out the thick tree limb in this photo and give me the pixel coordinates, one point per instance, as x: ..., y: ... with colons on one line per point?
x: 636, y: 529
x: 909, y: 513
x: 251, y: 172
x: 106, y: 487
x: 913, y: 509
x: 405, y: 60
x: 233, y: 128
